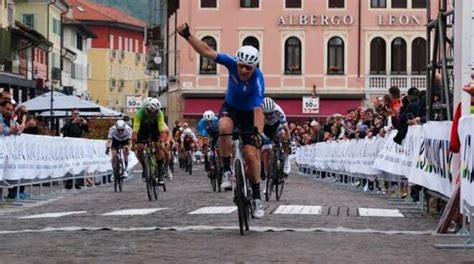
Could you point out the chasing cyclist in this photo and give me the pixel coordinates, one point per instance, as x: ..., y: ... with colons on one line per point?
x: 149, y: 123
x: 242, y: 108
x: 119, y: 138
x: 275, y: 127
x: 203, y: 127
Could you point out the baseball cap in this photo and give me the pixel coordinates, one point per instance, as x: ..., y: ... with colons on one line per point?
x: 313, y: 123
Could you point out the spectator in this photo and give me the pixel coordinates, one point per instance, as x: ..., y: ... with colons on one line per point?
x: 7, y: 125
x: 315, y: 132
x: 76, y: 126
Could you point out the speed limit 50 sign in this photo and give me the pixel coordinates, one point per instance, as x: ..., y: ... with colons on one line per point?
x: 310, y: 105
x: 134, y: 102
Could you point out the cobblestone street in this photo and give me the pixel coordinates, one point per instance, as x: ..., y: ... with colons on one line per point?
x: 169, y: 232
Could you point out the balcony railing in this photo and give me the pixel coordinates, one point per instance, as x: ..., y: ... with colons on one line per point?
x: 404, y: 82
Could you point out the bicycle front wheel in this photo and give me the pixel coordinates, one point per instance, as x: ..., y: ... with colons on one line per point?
x: 240, y: 197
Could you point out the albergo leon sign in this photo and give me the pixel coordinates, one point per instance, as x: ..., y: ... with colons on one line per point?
x: 347, y: 20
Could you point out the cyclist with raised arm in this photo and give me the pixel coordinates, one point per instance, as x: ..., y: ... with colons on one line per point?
x: 242, y: 108
x: 149, y: 124
x: 119, y: 138
x: 275, y: 127
x: 203, y: 127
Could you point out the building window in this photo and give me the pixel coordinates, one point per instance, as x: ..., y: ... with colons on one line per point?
x: 399, y: 4
x: 418, y: 3
x: 293, y: 4
x: 79, y: 41
x: 399, y: 56
x: 249, y: 3
x: 207, y: 66
x: 336, y: 3
x: 56, y: 26
x: 208, y: 3
x: 293, y: 56
x: 378, y: 4
x: 335, y: 56
x: 252, y: 41
x: 29, y: 20
x: 418, y: 56
x: 378, y: 49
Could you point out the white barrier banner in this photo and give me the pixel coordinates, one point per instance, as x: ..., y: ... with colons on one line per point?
x: 466, y: 135
x: 431, y: 165
x: 41, y: 157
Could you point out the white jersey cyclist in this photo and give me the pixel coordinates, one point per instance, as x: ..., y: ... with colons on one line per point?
x: 120, y: 136
x: 277, y: 116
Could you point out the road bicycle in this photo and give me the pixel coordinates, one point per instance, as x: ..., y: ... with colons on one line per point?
x: 119, y: 170
x: 276, y: 177
x: 153, y: 172
x: 215, y: 169
x: 240, y: 184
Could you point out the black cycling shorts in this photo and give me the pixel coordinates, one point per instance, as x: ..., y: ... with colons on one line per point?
x: 271, y: 130
x: 148, y: 131
x: 117, y: 144
x: 243, y: 120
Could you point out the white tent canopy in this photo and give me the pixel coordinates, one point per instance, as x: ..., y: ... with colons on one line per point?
x: 63, y: 105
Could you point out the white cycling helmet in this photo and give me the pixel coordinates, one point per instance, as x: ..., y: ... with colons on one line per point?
x: 268, y: 105
x: 209, y: 115
x: 120, y: 124
x: 188, y: 131
x: 248, y: 55
x: 146, y: 101
x: 154, y: 105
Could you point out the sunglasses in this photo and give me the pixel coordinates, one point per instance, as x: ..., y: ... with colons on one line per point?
x: 120, y: 130
x: 246, y: 67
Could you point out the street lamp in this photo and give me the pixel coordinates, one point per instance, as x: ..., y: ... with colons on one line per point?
x: 48, y: 84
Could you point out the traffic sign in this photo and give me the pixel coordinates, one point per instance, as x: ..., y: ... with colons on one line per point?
x: 310, y: 105
x: 163, y: 80
x: 134, y: 102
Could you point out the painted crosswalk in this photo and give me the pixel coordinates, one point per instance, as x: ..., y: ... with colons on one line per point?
x: 215, y: 210
x: 298, y: 210
x: 52, y: 215
x: 375, y: 212
x: 145, y: 211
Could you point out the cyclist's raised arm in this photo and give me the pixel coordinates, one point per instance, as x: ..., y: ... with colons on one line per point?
x: 199, y: 46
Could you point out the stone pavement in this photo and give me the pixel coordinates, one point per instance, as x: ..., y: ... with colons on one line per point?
x: 338, y: 234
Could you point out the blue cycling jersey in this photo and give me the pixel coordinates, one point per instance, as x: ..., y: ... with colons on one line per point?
x: 242, y: 95
x: 205, y: 129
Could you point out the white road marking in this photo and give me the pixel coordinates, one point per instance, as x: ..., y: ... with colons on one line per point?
x: 211, y: 228
x: 51, y: 215
x: 215, y: 210
x: 135, y: 211
x: 380, y: 212
x: 298, y: 209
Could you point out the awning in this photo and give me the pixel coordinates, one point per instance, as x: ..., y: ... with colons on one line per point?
x: 327, y: 107
x: 292, y: 107
x: 197, y: 106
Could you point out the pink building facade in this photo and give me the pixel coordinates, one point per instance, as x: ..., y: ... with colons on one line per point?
x: 342, y: 51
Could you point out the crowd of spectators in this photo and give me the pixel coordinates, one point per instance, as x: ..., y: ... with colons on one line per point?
x: 393, y: 110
